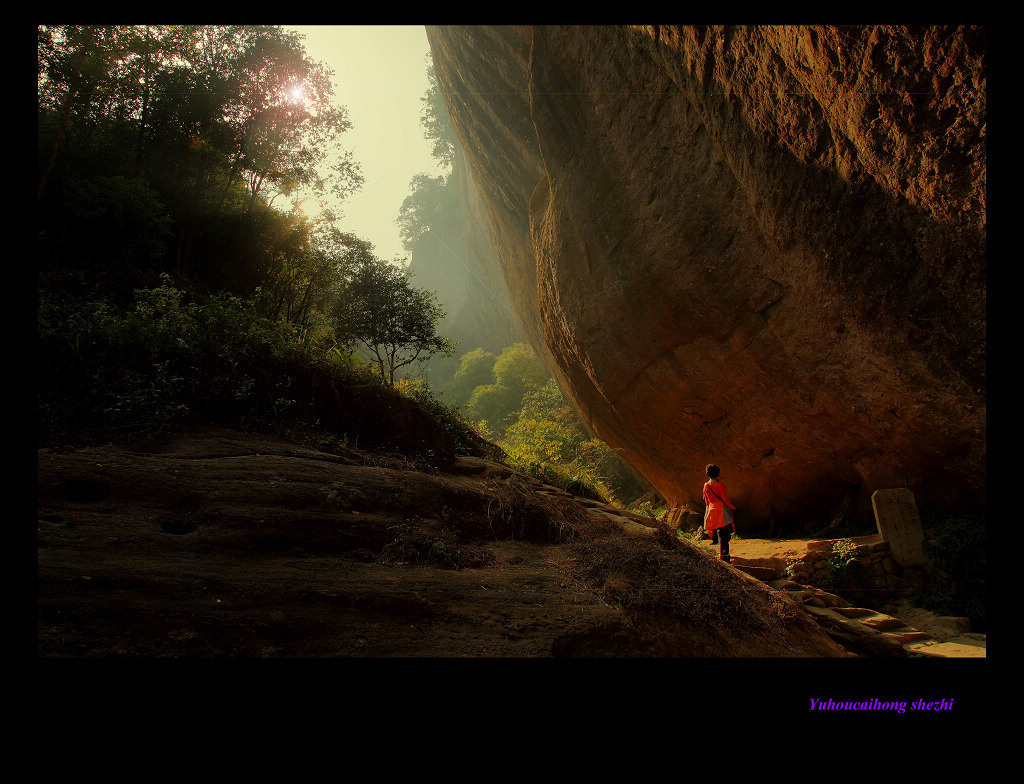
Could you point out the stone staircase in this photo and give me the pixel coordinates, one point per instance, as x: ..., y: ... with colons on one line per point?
x: 860, y: 630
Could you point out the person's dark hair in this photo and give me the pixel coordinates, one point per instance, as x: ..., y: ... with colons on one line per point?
x: 713, y: 471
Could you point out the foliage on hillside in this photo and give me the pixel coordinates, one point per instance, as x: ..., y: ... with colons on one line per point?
x: 180, y: 277
x: 175, y: 357
x: 513, y: 401
x: 956, y: 547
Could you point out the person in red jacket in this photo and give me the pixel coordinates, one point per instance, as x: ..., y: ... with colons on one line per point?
x: 717, y: 520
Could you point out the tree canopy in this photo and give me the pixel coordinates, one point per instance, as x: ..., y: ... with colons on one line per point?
x: 436, y: 124
x: 424, y: 208
x: 500, y: 385
x: 514, y: 401
x: 430, y: 198
x: 163, y: 148
x: 475, y: 369
x: 380, y: 309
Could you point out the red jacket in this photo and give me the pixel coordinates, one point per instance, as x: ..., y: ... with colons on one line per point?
x: 714, y: 516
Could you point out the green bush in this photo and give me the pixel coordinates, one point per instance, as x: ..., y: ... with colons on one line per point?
x: 650, y: 509
x: 164, y: 357
x: 476, y: 369
x: 843, y: 563
x: 956, y: 549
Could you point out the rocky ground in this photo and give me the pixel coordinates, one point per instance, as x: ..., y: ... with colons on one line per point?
x: 226, y: 544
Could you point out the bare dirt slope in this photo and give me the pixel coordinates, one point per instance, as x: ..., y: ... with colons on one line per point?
x: 219, y: 543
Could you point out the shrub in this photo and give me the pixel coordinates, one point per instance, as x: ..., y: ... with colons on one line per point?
x: 843, y: 563
x: 649, y: 509
x: 164, y: 357
x: 956, y: 549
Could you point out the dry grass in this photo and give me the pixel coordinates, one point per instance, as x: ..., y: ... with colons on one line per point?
x: 517, y: 511
x: 660, y: 579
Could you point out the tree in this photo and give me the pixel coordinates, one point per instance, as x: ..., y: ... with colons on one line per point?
x: 261, y: 121
x: 516, y: 373
x: 476, y: 368
x: 436, y: 124
x: 431, y: 198
x: 214, y: 122
x: 396, y: 323
x: 518, y: 368
x: 423, y: 208
x: 496, y: 405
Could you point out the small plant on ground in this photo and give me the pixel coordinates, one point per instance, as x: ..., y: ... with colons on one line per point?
x: 649, y: 509
x: 843, y: 563
x: 694, y: 537
x: 787, y: 572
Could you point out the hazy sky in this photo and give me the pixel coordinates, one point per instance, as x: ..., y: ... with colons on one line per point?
x: 380, y: 74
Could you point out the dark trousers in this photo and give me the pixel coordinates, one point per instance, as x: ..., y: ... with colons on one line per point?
x: 722, y: 536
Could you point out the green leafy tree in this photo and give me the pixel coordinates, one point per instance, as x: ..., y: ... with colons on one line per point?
x: 431, y: 199
x: 379, y: 309
x: 476, y: 368
x: 76, y: 84
x: 518, y: 369
x: 122, y: 218
x: 436, y: 124
x: 516, y: 372
x: 495, y: 404
x: 304, y: 281
x: 547, y: 402
x: 425, y: 207
x: 541, y: 442
x: 524, y: 411
x: 216, y: 122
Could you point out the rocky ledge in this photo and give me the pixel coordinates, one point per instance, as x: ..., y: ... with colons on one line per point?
x: 219, y: 543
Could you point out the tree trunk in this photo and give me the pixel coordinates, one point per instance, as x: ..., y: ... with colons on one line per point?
x: 56, y: 144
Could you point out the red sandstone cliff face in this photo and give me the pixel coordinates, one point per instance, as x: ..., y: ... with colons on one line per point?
x: 762, y: 247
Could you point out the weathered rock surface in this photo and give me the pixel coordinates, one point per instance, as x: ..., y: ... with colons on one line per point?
x: 220, y: 543
x: 757, y: 246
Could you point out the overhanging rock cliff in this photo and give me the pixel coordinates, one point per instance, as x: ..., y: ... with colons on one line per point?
x: 762, y: 247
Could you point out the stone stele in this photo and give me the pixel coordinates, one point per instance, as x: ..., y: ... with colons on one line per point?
x: 900, y: 525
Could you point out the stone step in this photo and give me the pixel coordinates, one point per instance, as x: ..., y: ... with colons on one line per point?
x: 957, y: 648
x: 770, y: 562
x: 854, y: 635
x: 783, y: 584
x: 825, y: 545
x: 860, y: 621
x: 851, y: 624
x: 762, y: 573
x: 883, y: 623
x: 854, y: 612
x: 908, y: 636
